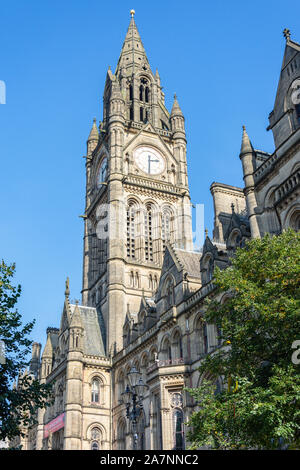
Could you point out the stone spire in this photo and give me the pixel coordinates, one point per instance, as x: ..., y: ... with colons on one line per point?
x: 93, y: 139
x: 48, y: 350
x: 133, y: 54
x: 176, y: 111
x: 247, y: 156
x: 94, y: 134
x: 246, y: 146
x: 76, y: 321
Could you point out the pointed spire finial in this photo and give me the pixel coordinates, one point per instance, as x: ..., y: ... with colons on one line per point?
x: 287, y: 34
x: 232, y: 208
x: 206, y: 233
x: 67, y: 291
x: 132, y: 13
x: 246, y: 146
x: 94, y: 134
x: 176, y: 108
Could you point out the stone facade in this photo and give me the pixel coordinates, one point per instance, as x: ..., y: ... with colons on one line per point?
x: 143, y: 285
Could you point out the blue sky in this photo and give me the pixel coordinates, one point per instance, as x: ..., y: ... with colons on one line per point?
x: 221, y: 58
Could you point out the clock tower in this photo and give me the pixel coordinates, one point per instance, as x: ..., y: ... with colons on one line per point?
x: 137, y: 194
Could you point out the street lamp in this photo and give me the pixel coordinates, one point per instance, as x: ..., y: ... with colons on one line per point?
x: 133, y: 397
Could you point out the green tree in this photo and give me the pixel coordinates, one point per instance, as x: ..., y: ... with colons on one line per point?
x: 18, y: 406
x: 260, y: 319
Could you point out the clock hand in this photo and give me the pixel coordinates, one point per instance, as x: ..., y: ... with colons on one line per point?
x: 151, y: 161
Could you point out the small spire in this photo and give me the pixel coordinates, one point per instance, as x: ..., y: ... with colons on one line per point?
x: 76, y: 318
x: 232, y: 208
x: 67, y: 291
x: 48, y: 350
x: 157, y: 77
x: 132, y: 13
x: 206, y: 233
x: 246, y: 146
x: 176, y: 111
x: 94, y: 134
x: 287, y: 34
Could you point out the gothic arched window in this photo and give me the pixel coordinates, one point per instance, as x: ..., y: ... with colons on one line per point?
x: 95, y: 391
x: 131, y: 115
x: 177, y: 345
x: 178, y: 431
x: 167, y: 350
x: 169, y: 293
x: 131, y: 214
x: 147, y: 94
x: 148, y: 234
x: 121, y: 433
x: 141, y: 113
x: 294, y: 221
x: 95, y: 439
x: 121, y: 386
x: 201, y: 337
x: 165, y: 227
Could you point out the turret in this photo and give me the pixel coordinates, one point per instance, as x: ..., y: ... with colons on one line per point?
x: 47, y: 356
x: 76, y: 331
x: 74, y: 379
x: 35, y: 359
x: 177, y: 119
x: 93, y: 139
x: 247, y: 156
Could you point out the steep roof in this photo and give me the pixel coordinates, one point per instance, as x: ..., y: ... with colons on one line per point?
x: 189, y: 260
x: 176, y: 110
x: 93, y: 341
x: 133, y: 54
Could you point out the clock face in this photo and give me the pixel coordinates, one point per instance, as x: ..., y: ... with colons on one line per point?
x: 149, y: 160
x: 102, y: 172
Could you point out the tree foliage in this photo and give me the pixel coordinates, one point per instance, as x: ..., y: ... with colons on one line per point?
x: 18, y: 405
x: 259, y: 320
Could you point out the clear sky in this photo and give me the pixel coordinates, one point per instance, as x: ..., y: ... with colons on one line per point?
x: 222, y: 58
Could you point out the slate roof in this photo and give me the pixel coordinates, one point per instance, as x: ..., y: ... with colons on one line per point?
x: 189, y: 260
x: 93, y: 341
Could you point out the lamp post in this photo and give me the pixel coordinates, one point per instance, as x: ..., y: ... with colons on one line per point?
x: 133, y: 397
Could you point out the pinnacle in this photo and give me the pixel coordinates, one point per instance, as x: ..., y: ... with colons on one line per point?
x: 176, y: 108
x: 48, y: 348
x: 133, y: 54
x: 76, y: 318
x: 94, y: 134
x: 246, y: 146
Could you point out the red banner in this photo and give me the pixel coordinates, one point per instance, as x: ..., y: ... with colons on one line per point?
x: 54, y: 425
